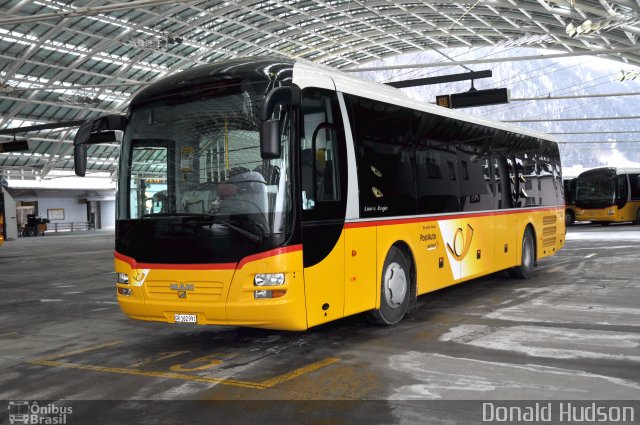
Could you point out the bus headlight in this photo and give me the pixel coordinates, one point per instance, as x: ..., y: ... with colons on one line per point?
x: 122, y: 278
x: 268, y: 279
x: 611, y: 212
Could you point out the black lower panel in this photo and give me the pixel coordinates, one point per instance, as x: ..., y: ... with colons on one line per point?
x: 319, y: 239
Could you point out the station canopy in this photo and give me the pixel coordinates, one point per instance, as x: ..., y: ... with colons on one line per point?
x: 73, y: 60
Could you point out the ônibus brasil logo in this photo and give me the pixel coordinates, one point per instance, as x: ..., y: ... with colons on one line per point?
x: 25, y: 412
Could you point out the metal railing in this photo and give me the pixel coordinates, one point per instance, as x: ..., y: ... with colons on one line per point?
x: 70, y: 227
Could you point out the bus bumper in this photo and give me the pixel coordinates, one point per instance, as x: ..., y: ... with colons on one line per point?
x: 609, y: 214
x: 217, y: 295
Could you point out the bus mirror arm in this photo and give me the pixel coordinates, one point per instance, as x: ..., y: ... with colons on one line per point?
x: 269, y: 128
x: 84, y: 137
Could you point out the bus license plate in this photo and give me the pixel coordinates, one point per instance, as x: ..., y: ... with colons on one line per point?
x: 186, y: 318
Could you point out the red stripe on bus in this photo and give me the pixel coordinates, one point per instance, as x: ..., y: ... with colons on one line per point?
x: 267, y: 254
x: 389, y: 222
x: 211, y: 266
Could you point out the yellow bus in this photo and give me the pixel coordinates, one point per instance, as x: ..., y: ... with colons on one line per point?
x: 3, y: 235
x: 608, y: 195
x: 570, y: 200
x: 279, y: 194
x: 1, y: 222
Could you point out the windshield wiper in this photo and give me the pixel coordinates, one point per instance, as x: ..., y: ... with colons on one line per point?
x: 210, y: 219
x: 201, y: 220
x: 140, y: 220
x: 165, y: 215
x: 250, y: 235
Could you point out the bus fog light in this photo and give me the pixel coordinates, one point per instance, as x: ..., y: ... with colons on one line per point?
x: 268, y: 279
x: 122, y: 278
x: 124, y: 291
x: 263, y: 294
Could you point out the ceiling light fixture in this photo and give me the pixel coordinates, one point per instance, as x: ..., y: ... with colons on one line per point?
x: 155, y: 42
x: 79, y: 100
x: 527, y: 39
x: 5, y: 88
x: 589, y: 26
x: 628, y: 75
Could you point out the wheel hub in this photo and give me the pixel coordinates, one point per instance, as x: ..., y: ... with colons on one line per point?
x: 395, y: 285
x: 527, y: 255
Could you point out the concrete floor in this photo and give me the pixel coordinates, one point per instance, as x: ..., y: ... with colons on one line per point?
x: 572, y: 332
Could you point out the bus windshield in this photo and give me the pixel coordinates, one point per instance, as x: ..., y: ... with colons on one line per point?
x: 596, y: 189
x: 194, y: 158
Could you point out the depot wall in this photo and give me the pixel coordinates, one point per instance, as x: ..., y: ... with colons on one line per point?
x: 108, y: 212
x: 64, y: 207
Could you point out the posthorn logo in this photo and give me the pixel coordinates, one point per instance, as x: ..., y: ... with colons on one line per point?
x: 461, y: 243
x: 25, y: 412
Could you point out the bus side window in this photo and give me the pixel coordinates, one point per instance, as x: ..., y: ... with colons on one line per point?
x: 530, y: 176
x: 634, y: 180
x: 385, y: 158
x: 436, y: 161
x: 513, y: 181
x: 504, y: 180
x: 475, y: 185
x: 623, y: 190
x: 551, y: 195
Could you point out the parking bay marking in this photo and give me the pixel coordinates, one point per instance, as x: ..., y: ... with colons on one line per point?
x: 267, y: 383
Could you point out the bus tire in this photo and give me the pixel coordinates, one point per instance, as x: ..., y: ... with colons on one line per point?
x: 605, y: 223
x: 395, y: 289
x: 528, y: 257
x: 569, y: 218
x: 637, y: 217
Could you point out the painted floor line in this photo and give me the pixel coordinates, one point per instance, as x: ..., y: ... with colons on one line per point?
x: 268, y: 383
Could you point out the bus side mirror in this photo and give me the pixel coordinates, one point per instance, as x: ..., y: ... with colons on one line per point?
x: 92, y: 132
x: 270, y: 139
x: 270, y: 127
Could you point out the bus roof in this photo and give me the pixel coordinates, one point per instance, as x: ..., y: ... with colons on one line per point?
x: 308, y: 74
x: 617, y: 170
x: 377, y: 91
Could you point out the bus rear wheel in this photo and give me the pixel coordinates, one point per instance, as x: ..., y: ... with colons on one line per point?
x: 525, y: 269
x: 395, y: 289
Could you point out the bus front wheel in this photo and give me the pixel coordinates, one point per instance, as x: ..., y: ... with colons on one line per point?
x: 525, y: 269
x: 395, y: 289
x: 569, y: 218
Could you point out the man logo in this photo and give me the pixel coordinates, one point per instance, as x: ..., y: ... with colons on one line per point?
x: 182, y: 287
x: 461, y: 244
